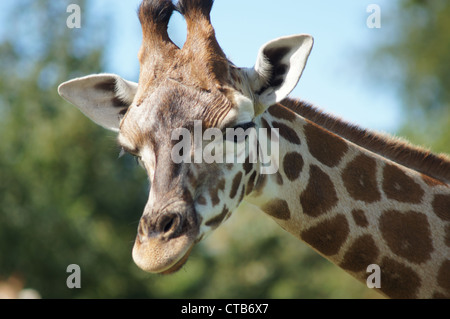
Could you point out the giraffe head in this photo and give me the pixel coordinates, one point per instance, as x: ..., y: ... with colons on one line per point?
x: 180, y: 89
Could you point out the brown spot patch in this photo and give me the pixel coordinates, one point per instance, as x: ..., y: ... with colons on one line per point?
x: 400, y: 152
x: 251, y: 183
x: 444, y: 275
x: 278, y: 178
x: 235, y: 185
x: 400, y: 187
x: 279, y: 111
x: 293, y: 165
x: 277, y: 208
x: 362, y: 253
x: 360, y: 179
x: 360, y: 218
x: 397, y: 280
x: 447, y: 235
x: 320, y: 195
x: 287, y: 133
x: 241, y: 197
x: 431, y: 181
x: 407, y: 235
x: 216, y: 221
x: 201, y: 200
x: 328, y: 236
x: 325, y: 146
x: 441, y: 206
x: 214, y: 192
x: 260, y: 184
x: 248, y: 166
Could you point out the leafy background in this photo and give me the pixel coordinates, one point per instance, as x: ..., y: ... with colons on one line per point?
x: 65, y: 197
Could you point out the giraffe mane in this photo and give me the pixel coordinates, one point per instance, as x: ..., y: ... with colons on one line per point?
x: 396, y: 149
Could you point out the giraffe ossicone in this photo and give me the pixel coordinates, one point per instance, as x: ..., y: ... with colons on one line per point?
x: 358, y: 198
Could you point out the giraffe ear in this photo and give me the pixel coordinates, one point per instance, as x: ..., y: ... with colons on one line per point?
x: 104, y: 98
x: 278, y: 68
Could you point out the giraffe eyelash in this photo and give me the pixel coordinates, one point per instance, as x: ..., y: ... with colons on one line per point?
x: 122, y: 152
x: 137, y: 159
x: 244, y: 126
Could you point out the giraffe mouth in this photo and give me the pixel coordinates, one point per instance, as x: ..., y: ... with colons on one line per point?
x: 158, y: 261
x: 161, y: 256
x: 163, y: 246
x: 179, y: 264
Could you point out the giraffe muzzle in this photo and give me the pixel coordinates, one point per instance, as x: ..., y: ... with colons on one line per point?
x: 167, y: 226
x: 163, y: 244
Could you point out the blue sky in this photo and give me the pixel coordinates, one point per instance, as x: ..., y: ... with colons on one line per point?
x: 335, y: 78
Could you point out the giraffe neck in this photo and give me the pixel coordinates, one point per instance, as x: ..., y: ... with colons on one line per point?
x: 357, y: 208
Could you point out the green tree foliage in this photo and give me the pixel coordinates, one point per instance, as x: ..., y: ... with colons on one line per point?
x: 66, y: 198
x: 419, y: 67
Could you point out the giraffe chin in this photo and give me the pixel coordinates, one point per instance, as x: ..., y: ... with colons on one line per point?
x: 156, y: 259
x: 179, y: 264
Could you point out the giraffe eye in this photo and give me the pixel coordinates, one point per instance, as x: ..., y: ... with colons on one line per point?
x: 137, y: 158
x: 240, y: 132
x: 122, y: 152
x: 139, y: 161
x: 245, y: 126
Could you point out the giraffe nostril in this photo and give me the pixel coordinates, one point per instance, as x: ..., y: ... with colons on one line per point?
x: 169, y: 224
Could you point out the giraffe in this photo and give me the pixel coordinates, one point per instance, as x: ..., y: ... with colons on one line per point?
x: 356, y: 197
